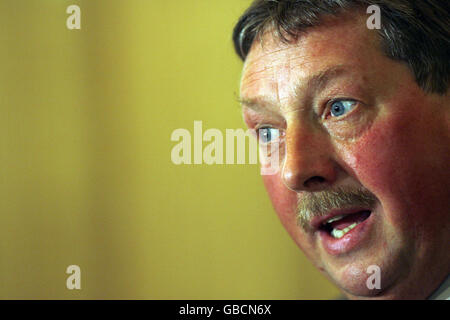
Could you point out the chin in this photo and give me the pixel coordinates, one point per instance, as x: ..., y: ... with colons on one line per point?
x: 353, y: 283
x: 353, y: 273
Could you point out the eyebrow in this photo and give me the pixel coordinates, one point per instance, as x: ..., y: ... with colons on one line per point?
x: 315, y: 83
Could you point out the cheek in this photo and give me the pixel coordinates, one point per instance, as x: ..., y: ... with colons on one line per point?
x: 284, y: 202
x: 394, y: 160
x: 378, y: 159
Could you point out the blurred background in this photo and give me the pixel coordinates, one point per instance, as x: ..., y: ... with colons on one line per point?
x: 86, y: 174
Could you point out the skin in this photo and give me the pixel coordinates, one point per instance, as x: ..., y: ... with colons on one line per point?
x: 394, y: 143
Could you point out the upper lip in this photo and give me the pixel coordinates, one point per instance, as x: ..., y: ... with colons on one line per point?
x: 316, y: 222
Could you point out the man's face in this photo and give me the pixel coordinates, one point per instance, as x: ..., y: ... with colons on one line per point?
x: 360, y: 141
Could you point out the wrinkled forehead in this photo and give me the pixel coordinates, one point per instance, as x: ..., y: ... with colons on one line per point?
x: 273, y: 64
x: 272, y: 40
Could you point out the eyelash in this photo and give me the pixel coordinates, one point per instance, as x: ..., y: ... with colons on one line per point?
x: 325, y: 115
x: 265, y: 126
x: 327, y: 109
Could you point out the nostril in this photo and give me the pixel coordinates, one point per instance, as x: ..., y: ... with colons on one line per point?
x: 314, y: 181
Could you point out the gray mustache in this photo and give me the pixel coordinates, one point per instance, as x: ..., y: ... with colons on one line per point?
x: 316, y: 204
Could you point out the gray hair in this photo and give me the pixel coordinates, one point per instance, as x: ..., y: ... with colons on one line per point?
x: 416, y: 32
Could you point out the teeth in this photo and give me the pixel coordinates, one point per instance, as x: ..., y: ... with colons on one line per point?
x: 335, y: 218
x: 337, y: 233
x: 340, y: 233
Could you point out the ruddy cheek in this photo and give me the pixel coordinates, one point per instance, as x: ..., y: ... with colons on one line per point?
x: 285, y: 204
x: 368, y: 158
x: 283, y: 200
x: 381, y: 163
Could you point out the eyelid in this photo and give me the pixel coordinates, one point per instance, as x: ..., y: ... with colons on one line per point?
x: 262, y: 126
x: 329, y: 103
x: 281, y: 132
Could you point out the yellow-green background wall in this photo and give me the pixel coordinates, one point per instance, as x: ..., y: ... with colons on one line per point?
x: 86, y: 176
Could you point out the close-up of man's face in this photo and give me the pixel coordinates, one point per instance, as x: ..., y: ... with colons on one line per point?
x: 364, y: 175
x: 239, y: 158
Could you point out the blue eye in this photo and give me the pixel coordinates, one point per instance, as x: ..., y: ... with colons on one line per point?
x: 341, y: 107
x: 268, y: 134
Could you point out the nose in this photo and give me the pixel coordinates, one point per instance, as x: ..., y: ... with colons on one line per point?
x: 308, y: 163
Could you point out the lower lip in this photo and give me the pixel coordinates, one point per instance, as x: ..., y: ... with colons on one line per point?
x: 350, y: 241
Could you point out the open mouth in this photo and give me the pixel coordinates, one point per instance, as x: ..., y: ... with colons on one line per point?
x: 340, y: 225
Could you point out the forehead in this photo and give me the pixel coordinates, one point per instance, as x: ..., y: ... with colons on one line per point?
x: 274, y: 67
